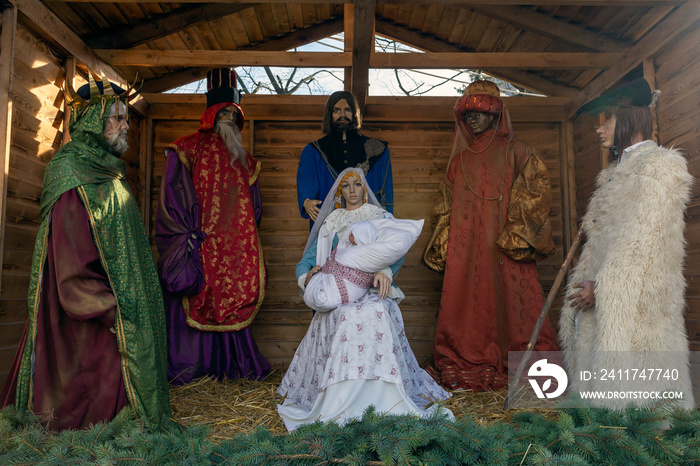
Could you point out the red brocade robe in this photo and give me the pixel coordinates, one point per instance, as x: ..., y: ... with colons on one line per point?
x: 490, y: 302
x: 231, y: 254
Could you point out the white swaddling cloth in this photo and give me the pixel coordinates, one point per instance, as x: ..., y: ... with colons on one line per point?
x: 348, y: 273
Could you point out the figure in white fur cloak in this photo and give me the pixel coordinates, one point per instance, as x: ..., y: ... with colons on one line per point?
x: 625, y: 298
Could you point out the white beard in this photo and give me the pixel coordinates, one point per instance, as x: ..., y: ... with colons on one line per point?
x: 231, y: 135
x: 118, y: 143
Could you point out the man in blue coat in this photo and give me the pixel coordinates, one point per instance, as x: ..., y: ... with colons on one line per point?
x: 343, y: 146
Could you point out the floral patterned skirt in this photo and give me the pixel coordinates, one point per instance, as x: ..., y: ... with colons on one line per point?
x: 361, y: 341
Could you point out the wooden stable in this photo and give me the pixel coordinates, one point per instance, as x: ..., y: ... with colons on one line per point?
x: 570, y: 51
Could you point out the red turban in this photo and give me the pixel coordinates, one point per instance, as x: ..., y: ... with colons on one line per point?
x: 479, y: 96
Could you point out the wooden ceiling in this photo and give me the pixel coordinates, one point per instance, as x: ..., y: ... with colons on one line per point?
x: 573, y: 48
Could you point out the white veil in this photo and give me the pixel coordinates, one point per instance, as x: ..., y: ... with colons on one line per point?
x: 328, y: 205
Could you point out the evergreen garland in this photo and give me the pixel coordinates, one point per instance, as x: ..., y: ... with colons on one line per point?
x: 576, y: 436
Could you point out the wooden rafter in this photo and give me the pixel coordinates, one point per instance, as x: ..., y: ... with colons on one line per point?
x: 431, y: 44
x: 215, y: 58
x: 676, y: 23
x: 293, y: 39
x: 545, y: 25
x: 300, y: 37
x: 173, y: 80
x: 125, y: 37
x: 362, y: 45
x: 597, y: 3
x: 54, y: 30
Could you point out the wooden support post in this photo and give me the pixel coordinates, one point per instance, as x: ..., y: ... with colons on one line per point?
x: 362, y: 48
x: 7, y: 64
x: 251, y: 137
x: 568, y: 182
x: 650, y: 76
x: 146, y: 171
x: 70, y: 80
x: 348, y: 25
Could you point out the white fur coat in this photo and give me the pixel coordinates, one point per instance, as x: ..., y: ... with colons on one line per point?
x: 634, y: 253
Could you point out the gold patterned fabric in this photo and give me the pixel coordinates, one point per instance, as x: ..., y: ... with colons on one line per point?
x: 435, y: 252
x: 527, y: 234
x: 231, y: 254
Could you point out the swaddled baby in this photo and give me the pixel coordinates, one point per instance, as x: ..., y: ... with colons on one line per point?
x: 363, y: 249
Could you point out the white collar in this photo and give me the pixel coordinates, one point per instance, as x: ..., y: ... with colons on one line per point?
x: 631, y: 148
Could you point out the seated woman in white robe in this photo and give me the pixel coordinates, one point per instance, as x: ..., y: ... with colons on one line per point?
x: 356, y: 355
x: 365, y: 248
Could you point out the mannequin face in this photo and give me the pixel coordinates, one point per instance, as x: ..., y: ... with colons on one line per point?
x: 352, y: 191
x: 342, y: 115
x: 116, y: 131
x: 606, y: 133
x: 227, y: 115
x: 478, y: 121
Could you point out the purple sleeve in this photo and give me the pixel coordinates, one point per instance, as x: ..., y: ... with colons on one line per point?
x: 178, y: 234
x: 83, y: 286
x: 257, y: 202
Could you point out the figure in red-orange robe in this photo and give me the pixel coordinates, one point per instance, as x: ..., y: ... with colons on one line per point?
x: 492, y: 225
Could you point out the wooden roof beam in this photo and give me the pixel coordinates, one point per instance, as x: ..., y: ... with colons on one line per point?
x: 124, y: 37
x: 362, y: 48
x: 173, y: 80
x: 458, y: 60
x: 433, y: 2
x: 288, y: 41
x: 428, y: 43
x: 670, y: 28
x: 300, y: 37
x: 54, y: 30
x: 545, y: 25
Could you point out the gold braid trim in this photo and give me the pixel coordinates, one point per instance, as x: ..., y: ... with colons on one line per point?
x: 118, y: 324
x: 180, y: 155
x: 254, y: 177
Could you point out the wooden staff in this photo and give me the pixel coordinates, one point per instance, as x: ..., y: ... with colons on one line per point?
x: 543, y: 314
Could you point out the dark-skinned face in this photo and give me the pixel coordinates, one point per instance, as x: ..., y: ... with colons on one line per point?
x: 478, y: 122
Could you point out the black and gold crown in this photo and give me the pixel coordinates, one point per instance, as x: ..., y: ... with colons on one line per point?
x: 97, y: 92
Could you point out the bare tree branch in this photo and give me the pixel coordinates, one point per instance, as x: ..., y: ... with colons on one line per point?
x: 273, y: 81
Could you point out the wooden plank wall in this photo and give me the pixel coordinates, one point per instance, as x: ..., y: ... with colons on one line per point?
x: 677, y: 69
x: 420, y: 134
x: 35, y: 139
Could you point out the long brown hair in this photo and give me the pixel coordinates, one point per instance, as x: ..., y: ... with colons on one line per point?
x: 333, y: 99
x: 631, y: 121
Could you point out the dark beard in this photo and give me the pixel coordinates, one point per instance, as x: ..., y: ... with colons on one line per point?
x: 342, y: 125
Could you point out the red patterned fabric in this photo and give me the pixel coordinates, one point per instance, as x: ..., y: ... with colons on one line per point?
x: 341, y: 273
x: 231, y: 254
x: 489, y: 303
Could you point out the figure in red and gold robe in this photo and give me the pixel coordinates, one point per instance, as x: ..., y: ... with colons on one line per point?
x: 211, y: 259
x: 492, y: 225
